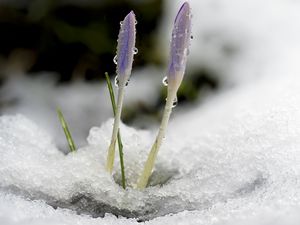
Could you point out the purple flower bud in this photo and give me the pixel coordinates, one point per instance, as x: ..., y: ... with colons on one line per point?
x: 126, y: 48
x: 180, y: 44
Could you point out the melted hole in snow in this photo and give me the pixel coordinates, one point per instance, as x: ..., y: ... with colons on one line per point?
x: 154, y: 205
x: 160, y: 176
x: 151, y: 204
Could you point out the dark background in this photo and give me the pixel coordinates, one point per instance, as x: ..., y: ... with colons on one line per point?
x: 77, y: 41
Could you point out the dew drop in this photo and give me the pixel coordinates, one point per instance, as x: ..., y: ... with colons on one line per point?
x: 115, y: 59
x: 121, y: 23
x: 185, y: 51
x: 135, y: 22
x: 165, y: 81
x: 135, y: 51
x: 116, y: 81
x: 175, y: 102
x: 192, y: 37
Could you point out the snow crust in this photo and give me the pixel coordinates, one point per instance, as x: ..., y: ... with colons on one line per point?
x: 233, y: 159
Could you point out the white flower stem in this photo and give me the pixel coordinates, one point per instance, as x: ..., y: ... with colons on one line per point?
x: 143, y: 179
x: 111, y: 149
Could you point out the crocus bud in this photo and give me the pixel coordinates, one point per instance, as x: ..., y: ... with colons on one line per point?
x: 126, y: 48
x: 180, y: 43
x: 125, y: 51
x: 179, y: 50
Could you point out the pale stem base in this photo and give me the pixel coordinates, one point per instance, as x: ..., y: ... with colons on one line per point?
x: 111, y: 149
x: 143, y: 180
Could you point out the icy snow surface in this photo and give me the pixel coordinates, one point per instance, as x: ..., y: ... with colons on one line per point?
x: 233, y: 159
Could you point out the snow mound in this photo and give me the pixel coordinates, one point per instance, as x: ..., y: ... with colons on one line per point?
x: 79, y: 181
x: 246, y: 159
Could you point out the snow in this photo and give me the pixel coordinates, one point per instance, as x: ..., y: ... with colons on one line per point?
x: 233, y: 158
x: 220, y: 176
x: 82, y: 104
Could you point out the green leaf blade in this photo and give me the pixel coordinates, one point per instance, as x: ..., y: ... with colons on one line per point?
x: 120, y: 144
x: 66, y: 130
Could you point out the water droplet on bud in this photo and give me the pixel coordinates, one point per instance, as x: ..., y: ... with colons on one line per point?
x: 135, y: 51
x: 185, y: 51
x: 121, y: 23
x: 115, y: 59
x: 175, y: 102
x: 165, y: 81
x: 116, y: 81
x: 192, y: 37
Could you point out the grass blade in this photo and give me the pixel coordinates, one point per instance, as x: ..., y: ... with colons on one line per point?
x: 66, y: 130
x: 120, y: 145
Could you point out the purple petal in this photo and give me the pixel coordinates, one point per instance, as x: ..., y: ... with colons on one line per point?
x: 180, y: 43
x: 126, y: 45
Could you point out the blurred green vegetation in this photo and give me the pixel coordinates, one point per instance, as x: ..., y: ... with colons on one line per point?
x: 76, y: 38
